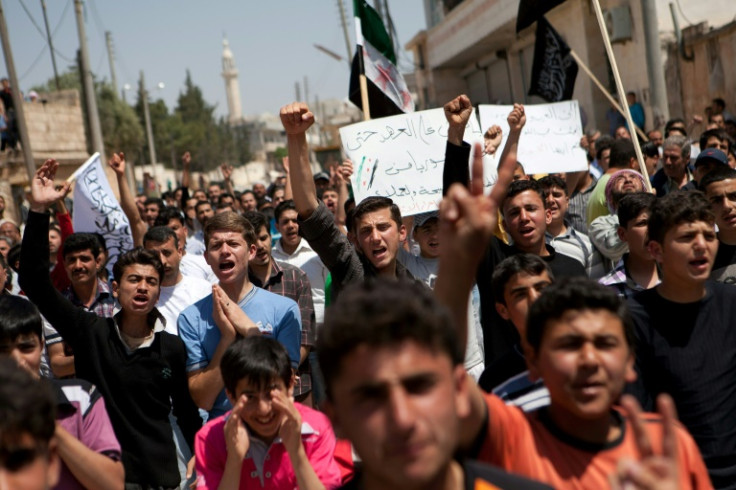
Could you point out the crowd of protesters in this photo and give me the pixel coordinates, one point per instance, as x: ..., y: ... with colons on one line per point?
x: 566, y: 331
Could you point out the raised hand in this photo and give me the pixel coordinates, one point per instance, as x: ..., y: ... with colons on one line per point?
x: 186, y: 159
x: 43, y: 190
x: 227, y: 171
x: 285, y: 164
x: 296, y: 118
x: 117, y: 163
x: 652, y: 471
x: 236, y: 434
x: 291, y: 420
x: 346, y: 169
x: 458, y: 110
x: 516, y: 118
x: 492, y: 139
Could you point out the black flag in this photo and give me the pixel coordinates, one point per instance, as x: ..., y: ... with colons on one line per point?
x: 554, y: 69
x: 532, y: 10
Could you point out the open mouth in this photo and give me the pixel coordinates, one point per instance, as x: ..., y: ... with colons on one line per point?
x: 140, y: 299
x: 226, y: 265
x: 699, y: 264
x: 379, y: 252
x: 526, y: 231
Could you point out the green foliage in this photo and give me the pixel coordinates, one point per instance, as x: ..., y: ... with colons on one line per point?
x: 68, y: 80
x: 121, y: 130
x: 280, y: 153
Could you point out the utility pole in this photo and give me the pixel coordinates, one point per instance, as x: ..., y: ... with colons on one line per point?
x: 298, y: 91
x: 345, y: 30
x: 17, y: 100
x: 149, y: 130
x: 51, y: 44
x: 89, y: 88
x: 389, y: 23
x: 655, y: 71
x: 306, y: 91
x: 111, y: 59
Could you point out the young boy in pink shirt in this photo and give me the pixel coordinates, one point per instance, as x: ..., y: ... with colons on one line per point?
x: 267, y: 440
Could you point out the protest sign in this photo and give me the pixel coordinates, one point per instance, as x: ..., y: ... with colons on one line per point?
x: 402, y: 157
x: 550, y: 140
x: 96, y: 210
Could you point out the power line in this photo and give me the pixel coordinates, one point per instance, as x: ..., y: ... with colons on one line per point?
x: 33, y: 21
x: 33, y: 65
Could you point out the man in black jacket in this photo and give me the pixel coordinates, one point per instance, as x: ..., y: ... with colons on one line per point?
x: 138, y: 368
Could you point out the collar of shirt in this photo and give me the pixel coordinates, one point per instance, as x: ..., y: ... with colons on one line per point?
x: 158, y: 326
x: 259, y: 449
x: 275, y: 277
x: 103, y: 292
x: 302, y: 247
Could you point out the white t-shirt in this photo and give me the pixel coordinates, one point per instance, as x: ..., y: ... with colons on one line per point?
x: 308, y: 261
x: 192, y: 265
x: 426, y: 270
x: 174, y: 299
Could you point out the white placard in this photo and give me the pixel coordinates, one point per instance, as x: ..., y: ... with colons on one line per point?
x: 96, y: 210
x: 550, y: 140
x: 402, y: 157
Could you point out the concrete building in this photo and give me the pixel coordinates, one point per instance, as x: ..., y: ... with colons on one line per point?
x: 470, y: 46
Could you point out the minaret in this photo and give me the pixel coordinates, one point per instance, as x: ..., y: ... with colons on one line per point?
x: 230, y: 74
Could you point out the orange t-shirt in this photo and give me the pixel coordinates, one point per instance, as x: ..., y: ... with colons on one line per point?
x: 528, y: 444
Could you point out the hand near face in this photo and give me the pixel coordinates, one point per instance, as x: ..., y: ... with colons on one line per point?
x: 219, y: 303
x: 652, y: 471
x: 233, y: 315
x: 291, y: 420
x: 236, y: 434
x: 296, y: 118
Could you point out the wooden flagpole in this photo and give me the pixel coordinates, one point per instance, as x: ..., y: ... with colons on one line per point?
x: 362, y: 78
x: 610, y: 98
x: 620, y: 87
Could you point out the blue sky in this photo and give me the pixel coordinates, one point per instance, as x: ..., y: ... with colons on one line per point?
x: 272, y: 42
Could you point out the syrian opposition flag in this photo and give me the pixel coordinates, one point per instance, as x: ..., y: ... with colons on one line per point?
x: 375, y: 58
x: 554, y: 70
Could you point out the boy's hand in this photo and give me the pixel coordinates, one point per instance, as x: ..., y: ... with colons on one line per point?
x: 236, y: 317
x: 220, y: 302
x: 516, y: 118
x: 296, y: 118
x: 492, y: 139
x: 236, y: 435
x: 117, y: 163
x: 291, y: 421
x: 457, y: 113
x: 43, y: 189
x: 652, y: 471
x: 186, y: 159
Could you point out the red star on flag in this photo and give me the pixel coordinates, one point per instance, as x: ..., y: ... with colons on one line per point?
x: 384, y: 77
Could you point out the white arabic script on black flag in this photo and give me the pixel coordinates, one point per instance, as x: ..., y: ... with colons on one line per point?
x: 554, y: 70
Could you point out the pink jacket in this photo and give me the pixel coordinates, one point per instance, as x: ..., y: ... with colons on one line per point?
x: 277, y: 472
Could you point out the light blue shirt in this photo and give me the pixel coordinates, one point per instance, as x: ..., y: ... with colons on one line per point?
x: 276, y: 316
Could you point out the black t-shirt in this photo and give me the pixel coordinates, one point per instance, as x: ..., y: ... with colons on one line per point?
x: 689, y: 351
x: 477, y: 476
x: 724, y: 267
x: 508, y: 366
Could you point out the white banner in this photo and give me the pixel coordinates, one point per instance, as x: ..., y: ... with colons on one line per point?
x: 96, y: 210
x: 550, y: 140
x: 402, y: 157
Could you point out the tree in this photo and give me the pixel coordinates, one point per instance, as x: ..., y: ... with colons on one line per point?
x: 121, y: 129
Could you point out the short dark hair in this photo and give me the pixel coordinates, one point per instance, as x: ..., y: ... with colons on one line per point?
x: 603, y: 143
x: 155, y: 200
x: 27, y: 407
x: 275, y: 188
x: 632, y: 205
x: 720, y: 102
x: 360, y: 316
x: 18, y: 316
x: 675, y: 208
x: 138, y: 255
x: 160, y: 234
x: 229, y: 221
x: 167, y: 214
x: 622, y: 151
x: 283, y: 206
x: 77, y: 242
x: 576, y: 294
x: 201, y: 203
x: 714, y: 133
x: 375, y: 203
x: 671, y: 125
x: 549, y: 181
x: 721, y: 172
x: 257, y: 220
x: 518, y: 186
x: 530, y: 264
x: 14, y: 257
x: 224, y: 195
x: 258, y: 359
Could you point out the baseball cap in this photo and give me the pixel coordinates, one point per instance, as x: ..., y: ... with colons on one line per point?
x: 422, y: 218
x: 711, y: 155
x: 321, y: 176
